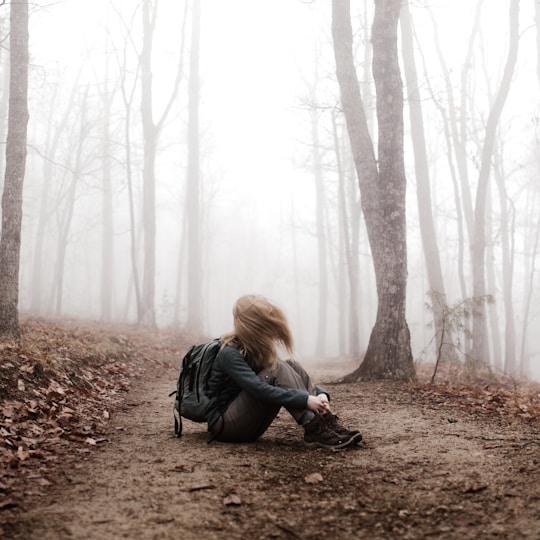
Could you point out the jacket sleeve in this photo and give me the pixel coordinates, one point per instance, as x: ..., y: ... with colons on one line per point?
x: 234, y: 365
x: 320, y: 390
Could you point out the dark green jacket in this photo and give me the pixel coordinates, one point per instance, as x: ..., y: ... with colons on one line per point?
x: 231, y: 374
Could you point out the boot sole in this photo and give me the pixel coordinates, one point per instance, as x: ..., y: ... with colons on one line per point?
x: 338, y: 446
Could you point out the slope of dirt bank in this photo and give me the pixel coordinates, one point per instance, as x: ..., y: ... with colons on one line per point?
x: 424, y: 471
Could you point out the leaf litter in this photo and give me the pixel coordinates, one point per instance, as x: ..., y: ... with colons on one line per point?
x: 87, y: 452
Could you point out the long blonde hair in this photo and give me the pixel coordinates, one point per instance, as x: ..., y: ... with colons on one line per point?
x: 259, y: 327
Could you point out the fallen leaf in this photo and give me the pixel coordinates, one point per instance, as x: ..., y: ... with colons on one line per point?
x: 232, y: 500
x: 313, y: 478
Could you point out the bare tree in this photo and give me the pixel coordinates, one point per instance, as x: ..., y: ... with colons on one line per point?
x: 128, y: 97
x: 107, y: 247
x: 480, y: 352
x: 382, y: 183
x: 52, y: 142
x: 66, y: 204
x: 456, y: 156
x: 151, y: 133
x: 193, y: 202
x: 423, y: 185
x: 10, y: 241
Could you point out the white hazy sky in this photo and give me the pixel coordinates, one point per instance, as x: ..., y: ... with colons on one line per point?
x: 253, y: 55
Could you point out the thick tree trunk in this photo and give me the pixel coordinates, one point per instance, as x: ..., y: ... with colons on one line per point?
x: 383, y: 186
x: 10, y: 242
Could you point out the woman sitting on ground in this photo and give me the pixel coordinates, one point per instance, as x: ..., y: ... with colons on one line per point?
x: 249, y: 383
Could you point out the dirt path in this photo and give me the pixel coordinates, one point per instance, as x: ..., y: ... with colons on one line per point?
x: 423, y: 472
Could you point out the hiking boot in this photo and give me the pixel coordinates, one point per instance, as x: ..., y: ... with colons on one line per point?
x: 317, y: 434
x: 333, y: 424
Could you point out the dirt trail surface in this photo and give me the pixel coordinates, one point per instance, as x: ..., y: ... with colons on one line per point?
x: 425, y: 470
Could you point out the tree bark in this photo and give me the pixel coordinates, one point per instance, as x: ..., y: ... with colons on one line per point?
x: 10, y: 242
x: 382, y: 184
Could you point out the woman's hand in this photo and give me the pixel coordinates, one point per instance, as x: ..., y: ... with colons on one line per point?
x: 318, y: 404
x: 324, y: 398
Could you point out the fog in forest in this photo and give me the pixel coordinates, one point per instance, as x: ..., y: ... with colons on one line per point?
x: 246, y: 99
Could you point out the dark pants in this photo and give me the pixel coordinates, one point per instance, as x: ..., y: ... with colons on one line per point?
x: 247, y: 418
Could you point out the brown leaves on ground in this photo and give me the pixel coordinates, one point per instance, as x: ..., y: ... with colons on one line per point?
x: 58, y: 388
x: 481, y: 394
x: 61, y: 384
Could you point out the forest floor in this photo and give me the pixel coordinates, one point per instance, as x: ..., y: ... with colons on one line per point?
x: 87, y: 452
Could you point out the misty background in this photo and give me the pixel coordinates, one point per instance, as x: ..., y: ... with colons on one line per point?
x: 272, y: 149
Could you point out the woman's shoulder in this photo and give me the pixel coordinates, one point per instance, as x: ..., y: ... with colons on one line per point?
x: 231, y: 358
x: 229, y: 351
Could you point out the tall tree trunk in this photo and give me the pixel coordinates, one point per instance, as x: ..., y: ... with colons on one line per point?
x: 193, y: 199
x: 10, y: 241
x: 182, y: 248
x: 107, y: 243
x: 356, y: 324
x: 460, y: 126
x: 147, y: 315
x: 344, y: 298
x: 350, y: 254
x: 480, y: 352
x: 510, y: 364
x: 423, y: 190
x: 531, y: 245
x: 382, y: 184
x: 448, y: 115
x: 493, y: 316
x: 322, y: 257
x: 151, y: 132
x: 134, y: 281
